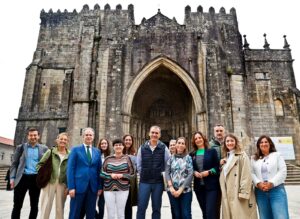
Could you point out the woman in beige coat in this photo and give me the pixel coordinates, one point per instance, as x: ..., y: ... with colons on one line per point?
x: 238, y: 200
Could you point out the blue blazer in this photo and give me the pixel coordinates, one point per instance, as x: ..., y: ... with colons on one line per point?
x: 81, y: 173
x: 211, y: 160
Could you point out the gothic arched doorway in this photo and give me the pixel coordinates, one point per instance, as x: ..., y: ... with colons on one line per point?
x: 162, y: 94
x: 164, y: 100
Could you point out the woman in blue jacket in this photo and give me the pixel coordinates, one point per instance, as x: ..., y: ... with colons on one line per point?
x: 206, y: 176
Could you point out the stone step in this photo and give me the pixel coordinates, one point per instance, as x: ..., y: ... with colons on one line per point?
x: 293, y: 172
x: 3, y: 185
x: 293, y: 175
x: 293, y: 179
x: 292, y: 183
x: 3, y: 171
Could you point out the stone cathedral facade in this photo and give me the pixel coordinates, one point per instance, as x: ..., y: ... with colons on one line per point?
x: 98, y: 68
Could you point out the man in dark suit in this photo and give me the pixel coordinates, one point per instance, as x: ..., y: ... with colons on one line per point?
x: 83, y: 174
x: 23, y: 173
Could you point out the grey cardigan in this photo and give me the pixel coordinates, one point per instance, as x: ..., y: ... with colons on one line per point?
x: 19, y: 160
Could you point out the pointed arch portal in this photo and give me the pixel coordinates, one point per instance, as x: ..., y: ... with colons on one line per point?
x: 164, y: 94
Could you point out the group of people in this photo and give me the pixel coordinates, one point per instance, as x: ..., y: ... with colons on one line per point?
x: 221, y: 172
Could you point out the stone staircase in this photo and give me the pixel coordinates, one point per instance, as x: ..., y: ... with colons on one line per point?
x: 293, y: 175
x: 3, y: 171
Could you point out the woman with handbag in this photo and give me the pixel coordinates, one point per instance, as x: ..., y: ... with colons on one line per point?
x: 56, y: 187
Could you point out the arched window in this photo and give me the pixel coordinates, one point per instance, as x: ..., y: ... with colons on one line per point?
x: 278, y: 107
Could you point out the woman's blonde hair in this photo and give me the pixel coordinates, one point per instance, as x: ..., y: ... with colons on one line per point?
x: 62, y: 134
x: 237, y: 144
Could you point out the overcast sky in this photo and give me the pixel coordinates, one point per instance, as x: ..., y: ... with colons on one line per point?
x: 19, y: 23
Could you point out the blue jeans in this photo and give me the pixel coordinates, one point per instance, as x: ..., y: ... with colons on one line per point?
x: 145, y: 190
x: 181, y: 205
x: 272, y: 204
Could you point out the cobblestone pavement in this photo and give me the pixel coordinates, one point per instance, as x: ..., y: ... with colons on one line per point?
x: 6, y: 203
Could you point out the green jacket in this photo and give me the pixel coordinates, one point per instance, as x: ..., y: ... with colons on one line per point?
x: 55, y: 165
x: 217, y: 146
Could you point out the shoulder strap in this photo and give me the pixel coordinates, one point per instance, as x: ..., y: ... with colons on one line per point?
x: 21, y: 152
x: 22, y: 149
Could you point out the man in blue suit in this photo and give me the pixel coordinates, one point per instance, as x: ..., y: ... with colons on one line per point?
x: 83, y: 174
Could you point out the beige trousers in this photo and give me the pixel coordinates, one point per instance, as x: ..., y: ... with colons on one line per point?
x: 48, y: 193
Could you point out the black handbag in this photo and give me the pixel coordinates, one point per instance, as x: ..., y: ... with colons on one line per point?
x: 44, y: 173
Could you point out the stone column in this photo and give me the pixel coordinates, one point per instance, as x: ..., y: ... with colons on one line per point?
x: 82, y: 72
x: 102, y: 88
x: 239, y: 113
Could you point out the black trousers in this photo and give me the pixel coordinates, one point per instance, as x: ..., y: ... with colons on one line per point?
x: 27, y: 182
x: 128, y: 207
x: 209, y: 202
x: 101, y: 203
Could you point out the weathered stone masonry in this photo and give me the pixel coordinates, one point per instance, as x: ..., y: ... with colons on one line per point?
x: 99, y: 68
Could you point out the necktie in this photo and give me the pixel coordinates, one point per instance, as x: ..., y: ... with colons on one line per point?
x: 88, y: 153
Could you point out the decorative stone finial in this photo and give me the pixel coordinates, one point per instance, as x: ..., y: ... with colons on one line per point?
x: 212, y: 10
x: 233, y: 11
x: 267, y: 45
x: 187, y: 10
x: 119, y: 7
x: 107, y: 7
x: 222, y: 10
x: 96, y: 7
x: 200, y: 9
x: 286, y: 45
x: 174, y: 20
x: 130, y: 7
x: 246, y: 44
x: 158, y: 11
x: 85, y: 8
x: 42, y: 14
x: 143, y: 20
x: 131, y: 13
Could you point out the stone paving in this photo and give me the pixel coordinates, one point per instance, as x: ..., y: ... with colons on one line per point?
x: 6, y: 202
